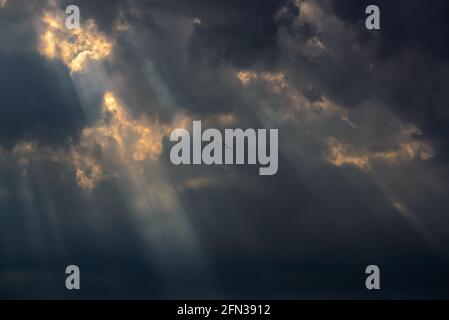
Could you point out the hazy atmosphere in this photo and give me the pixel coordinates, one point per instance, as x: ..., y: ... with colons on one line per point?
x: 85, y: 171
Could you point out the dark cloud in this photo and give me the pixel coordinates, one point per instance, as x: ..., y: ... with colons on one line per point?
x: 38, y: 100
x: 37, y: 97
x: 175, y: 63
x: 406, y: 25
x: 155, y: 230
x: 402, y: 66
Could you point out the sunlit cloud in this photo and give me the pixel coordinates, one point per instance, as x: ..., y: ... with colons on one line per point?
x: 74, y: 47
x: 339, y: 153
x: 116, y: 140
x: 339, y: 150
x: 296, y: 103
x: 86, y: 150
x: 133, y: 139
x: 121, y: 139
x: 246, y: 77
x: 276, y: 79
x: 407, y: 149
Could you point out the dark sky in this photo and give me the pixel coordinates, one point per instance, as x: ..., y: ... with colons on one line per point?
x: 86, y: 178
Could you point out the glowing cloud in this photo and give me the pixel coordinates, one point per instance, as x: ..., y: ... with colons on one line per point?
x: 121, y: 139
x: 115, y: 142
x: 246, y: 77
x: 130, y: 139
x: 340, y: 154
x: 74, y: 47
x: 296, y: 103
x: 277, y: 80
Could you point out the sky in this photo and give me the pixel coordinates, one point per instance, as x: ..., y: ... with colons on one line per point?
x: 85, y: 170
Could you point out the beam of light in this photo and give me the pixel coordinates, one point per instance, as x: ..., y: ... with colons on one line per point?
x: 127, y: 150
x: 119, y: 148
x: 314, y: 115
x: 122, y: 139
x: 297, y: 106
x: 417, y: 224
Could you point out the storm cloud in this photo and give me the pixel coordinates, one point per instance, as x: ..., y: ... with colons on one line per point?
x: 86, y: 179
